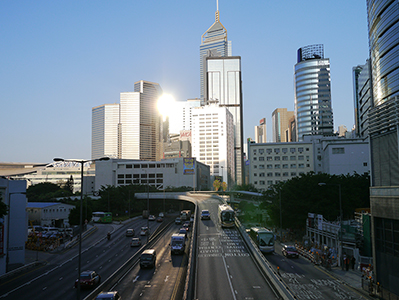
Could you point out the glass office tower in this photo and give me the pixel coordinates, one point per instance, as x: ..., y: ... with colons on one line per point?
x: 383, y: 25
x: 213, y: 43
x: 224, y: 88
x: 313, y: 111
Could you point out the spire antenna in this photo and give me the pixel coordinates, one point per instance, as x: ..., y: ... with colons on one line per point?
x: 217, y: 11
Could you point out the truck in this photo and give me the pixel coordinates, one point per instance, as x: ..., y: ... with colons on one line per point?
x: 145, y: 214
x: 185, y: 215
x: 177, y: 243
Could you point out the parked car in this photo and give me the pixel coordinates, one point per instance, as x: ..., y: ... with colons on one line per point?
x: 148, y: 258
x: 144, y: 230
x: 205, y: 214
x: 178, y: 221
x: 135, y: 242
x: 159, y: 219
x: 151, y: 218
x: 130, y: 232
x: 88, y: 279
x: 290, y: 251
x: 109, y: 295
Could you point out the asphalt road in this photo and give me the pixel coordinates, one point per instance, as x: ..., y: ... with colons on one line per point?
x: 308, y: 281
x: 55, y: 280
x: 225, y: 269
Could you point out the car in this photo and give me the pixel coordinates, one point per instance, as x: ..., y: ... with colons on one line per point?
x: 183, y: 231
x: 159, y: 219
x: 88, y: 279
x: 161, y: 214
x: 109, y: 295
x: 205, y: 214
x: 178, y: 221
x: 135, y: 242
x: 187, y: 225
x: 130, y: 232
x: 290, y: 251
x: 144, y: 230
x: 151, y: 218
x: 192, y: 219
x: 148, y: 258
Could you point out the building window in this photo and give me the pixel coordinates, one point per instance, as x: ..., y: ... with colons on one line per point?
x: 254, y: 158
x: 285, y: 150
x: 301, y: 157
x: 293, y: 173
x: 121, y: 176
x: 261, y: 182
x: 293, y: 166
x: 269, y: 174
x: 121, y: 181
x: 261, y: 151
x: 268, y: 151
x: 270, y: 166
x: 364, y: 164
x: 128, y: 175
x: 254, y: 151
x: 262, y: 158
x: 292, y: 157
x: 269, y: 158
x: 285, y: 166
x: 270, y: 182
x: 277, y: 174
x: 292, y: 150
x: 338, y: 150
x: 285, y: 174
x: 276, y: 150
x: 277, y: 158
x: 277, y: 166
x: 255, y: 174
x: 300, y: 149
x: 255, y: 166
x: 261, y: 166
x: 261, y: 174
x: 301, y: 166
x: 285, y: 157
x: 129, y: 166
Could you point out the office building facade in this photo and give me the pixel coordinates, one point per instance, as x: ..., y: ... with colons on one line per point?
x: 213, y: 140
x: 104, y: 131
x: 383, y: 26
x: 362, y: 98
x: 225, y: 89
x: 260, y: 131
x: 313, y: 111
x: 214, y: 43
x: 281, y: 125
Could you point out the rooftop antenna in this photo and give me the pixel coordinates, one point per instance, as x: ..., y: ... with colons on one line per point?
x: 217, y: 11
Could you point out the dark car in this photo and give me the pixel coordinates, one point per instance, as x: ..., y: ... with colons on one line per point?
x: 88, y: 279
x: 290, y: 251
x: 186, y: 225
x: 177, y: 220
x: 159, y: 219
x: 205, y: 215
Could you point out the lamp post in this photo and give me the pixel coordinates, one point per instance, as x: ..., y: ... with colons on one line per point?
x: 8, y: 228
x: 148, y: 201
x: 81, y: 162
x: 340, y: 219
x: 281, y: 219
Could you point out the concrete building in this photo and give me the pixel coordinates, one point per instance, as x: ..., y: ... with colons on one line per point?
x: 49, y: 214
x: 214, y: 43
x: 281, y: 125
x: 225, y: 88
x: 213, y: 140
x: 383, y: 25
x: 182, y: 113
x: 313, y: 110
x: 174, y: 172
x: 362, y: 98
x: 178, y: 145
x: 273, y: 162
x: 14, y: 225
x: 260, y: 132
x: 104, y: 135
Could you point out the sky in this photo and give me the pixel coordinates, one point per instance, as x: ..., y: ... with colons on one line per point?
x: 59, y: 59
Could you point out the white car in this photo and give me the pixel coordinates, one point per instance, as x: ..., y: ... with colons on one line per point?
x: 151, y: 218
x: 144, y: 231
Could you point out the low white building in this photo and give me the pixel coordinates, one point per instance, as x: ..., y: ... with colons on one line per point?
x: 49, y: 213
x: 174, y: 172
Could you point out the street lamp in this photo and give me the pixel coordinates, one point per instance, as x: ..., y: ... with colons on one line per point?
x: 81, y: 162
x: 148, y: 201
x: 340, y: 219
x: 8, y: 228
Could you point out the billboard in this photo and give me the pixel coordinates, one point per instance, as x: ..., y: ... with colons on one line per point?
x: 188, y: 165
x: 185, y: 135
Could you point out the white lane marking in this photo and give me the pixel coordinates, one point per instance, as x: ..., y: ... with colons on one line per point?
x: 166, y: 279
x: 45, y: 288
x: 61, y: 278
x: 256, y: 287
x: 135, y: 279
x: 228, y: 277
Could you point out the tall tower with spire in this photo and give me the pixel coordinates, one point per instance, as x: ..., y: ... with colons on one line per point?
x: 213, y: 44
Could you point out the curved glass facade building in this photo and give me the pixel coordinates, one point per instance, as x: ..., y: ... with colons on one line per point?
x: 383, y: 26
x: 313, y: 110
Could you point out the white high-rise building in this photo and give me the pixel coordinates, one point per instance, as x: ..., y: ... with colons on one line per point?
x: 213, y: 140
x: 104, y: 135
x: 182, y: 112
x: 224, y: 88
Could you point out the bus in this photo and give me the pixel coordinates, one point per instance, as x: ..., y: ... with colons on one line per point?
x: 226, y: 215
x: 263, y: 238
x: 102, y: 217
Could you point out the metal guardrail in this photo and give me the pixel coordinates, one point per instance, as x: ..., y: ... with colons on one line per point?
x: 190, y: 283
x: 119, y: 274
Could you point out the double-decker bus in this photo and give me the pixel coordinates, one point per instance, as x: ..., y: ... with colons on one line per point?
x: 226, y: 215
x: 263, y: 238
x: 102, y: 217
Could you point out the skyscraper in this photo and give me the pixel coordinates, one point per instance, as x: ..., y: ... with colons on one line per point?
x: 383, y: 25
x: 260, y: 131
x: 213, y: 140
x: 313, y: 111
x: 213, y: 43
x: 362, y: 98
x: 281, y: 125
x: 225, y: 89
x: 104, y: 131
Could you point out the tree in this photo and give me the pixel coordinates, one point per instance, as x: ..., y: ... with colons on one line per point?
x: 216, y: 184
x: 69, y: 184
x: 45, y: 191
x: 302, y: 195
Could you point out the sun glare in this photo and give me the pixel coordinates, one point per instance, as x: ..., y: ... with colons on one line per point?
x: 166, y: 105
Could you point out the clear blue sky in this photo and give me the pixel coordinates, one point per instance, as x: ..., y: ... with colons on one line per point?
x: 61, y: 58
